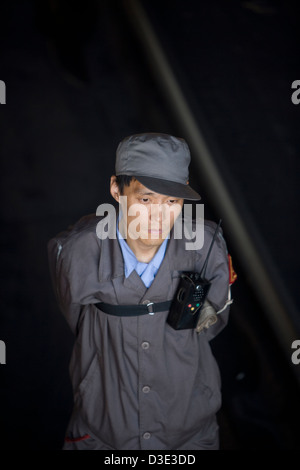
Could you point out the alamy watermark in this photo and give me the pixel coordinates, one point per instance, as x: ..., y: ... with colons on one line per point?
x: 153, y: 221
x: 296, y: 94
x: 2, y: 352
x: 2, y: 92
x: 296, y: 354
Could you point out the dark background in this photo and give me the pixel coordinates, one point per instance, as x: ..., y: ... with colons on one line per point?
x: 77, y: 83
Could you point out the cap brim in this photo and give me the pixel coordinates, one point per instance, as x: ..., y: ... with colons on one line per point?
x: 169, y: 188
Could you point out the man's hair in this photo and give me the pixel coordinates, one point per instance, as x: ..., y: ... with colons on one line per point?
x: 123, y: 180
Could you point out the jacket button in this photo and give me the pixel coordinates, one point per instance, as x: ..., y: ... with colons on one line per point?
x: 145, y: 345
x: 146, y: 389
x: 146, y: 435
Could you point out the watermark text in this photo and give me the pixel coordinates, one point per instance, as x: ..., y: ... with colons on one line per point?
x: 296, y: 354
x: 2, y: 352
x: 153, y: 222
x: 2, y: 92
x: 296, y: 94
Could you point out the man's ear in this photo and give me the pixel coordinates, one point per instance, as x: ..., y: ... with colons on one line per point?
x: 114, y: 188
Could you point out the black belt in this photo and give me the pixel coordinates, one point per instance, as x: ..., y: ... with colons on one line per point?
x: 147, y: 308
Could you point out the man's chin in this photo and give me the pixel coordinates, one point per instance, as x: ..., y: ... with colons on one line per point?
x: 154, y: 239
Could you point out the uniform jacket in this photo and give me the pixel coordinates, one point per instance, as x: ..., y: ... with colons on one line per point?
x: 137, y: 382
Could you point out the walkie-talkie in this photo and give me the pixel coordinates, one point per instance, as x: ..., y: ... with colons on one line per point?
x: 190, y: 295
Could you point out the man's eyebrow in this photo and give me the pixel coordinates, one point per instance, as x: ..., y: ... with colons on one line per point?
x: 144, y: 193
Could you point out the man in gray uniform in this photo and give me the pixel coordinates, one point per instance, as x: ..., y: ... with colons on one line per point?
x: 139, y: 383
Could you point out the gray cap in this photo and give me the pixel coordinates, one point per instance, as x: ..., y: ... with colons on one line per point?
x: 158, y: 161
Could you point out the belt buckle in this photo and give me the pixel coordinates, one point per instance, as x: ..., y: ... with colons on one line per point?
x: 149, y: 305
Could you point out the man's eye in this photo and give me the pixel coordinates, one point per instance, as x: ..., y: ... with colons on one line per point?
x: 172, y: 201
x: 145, y: 200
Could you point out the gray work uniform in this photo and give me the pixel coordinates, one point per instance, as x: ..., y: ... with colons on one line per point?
x: 138, y: 383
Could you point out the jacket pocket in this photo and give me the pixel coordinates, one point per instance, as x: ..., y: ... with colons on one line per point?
x: 208, y: 393
x: 90, y: 396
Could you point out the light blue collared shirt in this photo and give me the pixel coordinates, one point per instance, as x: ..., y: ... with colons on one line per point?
x: 146, y: 271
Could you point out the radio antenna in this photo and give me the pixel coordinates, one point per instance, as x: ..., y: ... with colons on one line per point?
x: 203, y: 270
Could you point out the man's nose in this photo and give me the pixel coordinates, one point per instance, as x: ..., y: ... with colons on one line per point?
x: 157, y: 212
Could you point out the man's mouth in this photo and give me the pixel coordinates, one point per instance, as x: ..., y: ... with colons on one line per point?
x: 155, y: 233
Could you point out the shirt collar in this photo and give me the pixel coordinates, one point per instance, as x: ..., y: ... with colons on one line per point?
x: 130, y: 260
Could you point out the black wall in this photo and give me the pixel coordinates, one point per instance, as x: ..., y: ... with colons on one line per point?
x: 76, y: 84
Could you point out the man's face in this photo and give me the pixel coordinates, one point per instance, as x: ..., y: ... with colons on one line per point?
x: 150, y: 215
